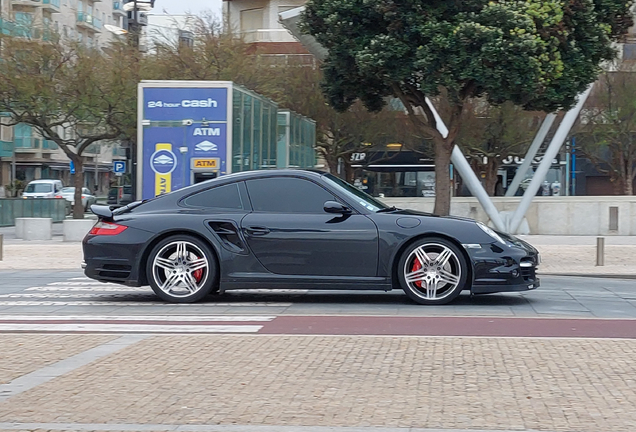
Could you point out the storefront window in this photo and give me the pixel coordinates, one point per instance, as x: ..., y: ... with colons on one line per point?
x: 247, y: 133
x: 237, y: 128
x: 257, y: 132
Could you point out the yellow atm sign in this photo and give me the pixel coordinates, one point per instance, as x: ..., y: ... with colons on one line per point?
x: 205, y: 163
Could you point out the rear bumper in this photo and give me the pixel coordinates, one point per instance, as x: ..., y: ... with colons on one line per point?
x: 115, y: 258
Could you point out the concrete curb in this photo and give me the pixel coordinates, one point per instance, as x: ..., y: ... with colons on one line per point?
x: 591, y: 275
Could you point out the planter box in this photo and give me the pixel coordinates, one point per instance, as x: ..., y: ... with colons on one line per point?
x: 34, y: 228
x: 76, y: 229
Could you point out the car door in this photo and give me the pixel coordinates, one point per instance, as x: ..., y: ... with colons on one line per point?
x: 290, y: 233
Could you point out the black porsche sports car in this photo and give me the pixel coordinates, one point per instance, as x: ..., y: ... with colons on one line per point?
x: 298, y: 229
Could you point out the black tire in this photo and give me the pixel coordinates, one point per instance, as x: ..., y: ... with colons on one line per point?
x: 452, y: 275
x: 158, y: 275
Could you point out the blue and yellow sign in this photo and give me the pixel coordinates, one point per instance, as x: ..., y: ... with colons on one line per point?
x: 184, y: 130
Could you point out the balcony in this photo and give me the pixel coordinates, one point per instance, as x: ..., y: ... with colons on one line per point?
x: 49, y: 146
x: 27, y: 144
x: 267, y: 35
x: 27, y: 3
x: 89, y: 22
x: 118, y: 8
x: 6, y: 149
x: 52, y: 6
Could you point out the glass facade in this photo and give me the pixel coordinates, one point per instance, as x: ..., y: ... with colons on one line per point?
x: 296, y: 140
x: 253, y: 131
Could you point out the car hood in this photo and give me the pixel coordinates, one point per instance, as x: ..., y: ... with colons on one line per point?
x: 409, y: 212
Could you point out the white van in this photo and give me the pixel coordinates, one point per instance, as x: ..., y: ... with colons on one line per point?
x: 42, y: 189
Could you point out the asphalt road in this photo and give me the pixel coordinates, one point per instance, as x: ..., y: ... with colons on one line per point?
x: 69, y: 293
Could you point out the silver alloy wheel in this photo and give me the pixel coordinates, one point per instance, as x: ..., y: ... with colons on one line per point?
x: 432, y: 271
x: 180, y: 269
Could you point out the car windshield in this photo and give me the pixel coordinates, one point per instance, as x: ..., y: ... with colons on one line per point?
x: 68, y: 190
x: 356, y: 194
x: 39, y: 188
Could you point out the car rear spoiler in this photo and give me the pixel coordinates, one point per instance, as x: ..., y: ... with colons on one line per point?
x: 102, y: 211
x: 105, y: 212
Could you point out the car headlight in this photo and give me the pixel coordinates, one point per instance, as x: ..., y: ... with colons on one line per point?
x: 490, y: 232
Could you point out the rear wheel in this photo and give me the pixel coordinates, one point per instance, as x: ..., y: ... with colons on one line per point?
x: 432, y: 271
x: 181, y: 269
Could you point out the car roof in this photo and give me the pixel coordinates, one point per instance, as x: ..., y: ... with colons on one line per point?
x: 291, y: 172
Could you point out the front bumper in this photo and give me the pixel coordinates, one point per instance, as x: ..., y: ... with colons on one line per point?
x: 504, y: 268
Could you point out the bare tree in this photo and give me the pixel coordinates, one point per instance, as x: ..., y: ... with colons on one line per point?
x: 491, y: 133
x: 608, y: 129
x: 70, y: 94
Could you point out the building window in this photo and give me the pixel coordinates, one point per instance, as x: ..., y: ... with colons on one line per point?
x: 6, y: 133
x: 251, y: 19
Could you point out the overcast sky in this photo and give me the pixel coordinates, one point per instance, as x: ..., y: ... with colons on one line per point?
x: 183, y: 6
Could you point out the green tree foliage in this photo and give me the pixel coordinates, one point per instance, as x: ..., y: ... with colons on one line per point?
x: 538, y: 54
x: 491, y: 133
x: 339, y: 134
x: 608, y: 132
x: 72, y: 95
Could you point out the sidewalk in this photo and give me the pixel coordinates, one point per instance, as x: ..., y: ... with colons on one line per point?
x: 226, y: 383
x: 560, y: 255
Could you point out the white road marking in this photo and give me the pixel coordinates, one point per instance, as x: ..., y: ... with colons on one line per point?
x: 136, y: 303
x: 189, y: 318
x: 102, y: 288
x: 63, y: 295
x: 91, y: 283
x: 129, y: 328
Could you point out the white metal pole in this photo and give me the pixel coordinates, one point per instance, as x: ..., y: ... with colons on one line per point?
x: 476, y: 188
x: 532, y: 152
x: 551, y: 152
x: 468, y: 175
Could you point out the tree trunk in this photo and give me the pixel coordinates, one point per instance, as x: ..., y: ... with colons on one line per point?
x: 443, y: 153
x: 629, y: 179
x: 78, y: 182
x: 490, y: 182
x: 332, y: 163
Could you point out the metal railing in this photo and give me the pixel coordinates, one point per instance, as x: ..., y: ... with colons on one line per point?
x: 55, y: 3
x: 11, y: 208
x: 267, y: 35
x: 27, y: 143
x: 86, y: 18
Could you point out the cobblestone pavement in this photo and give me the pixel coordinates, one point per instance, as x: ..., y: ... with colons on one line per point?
x: 343, y: 381
x: 18, y: 356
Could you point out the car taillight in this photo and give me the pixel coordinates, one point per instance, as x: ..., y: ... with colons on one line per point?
x: 107, y: 228
x: 59, y: 196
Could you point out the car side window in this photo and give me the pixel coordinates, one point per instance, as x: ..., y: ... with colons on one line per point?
x: 287, y: 195
x: 220, y: 197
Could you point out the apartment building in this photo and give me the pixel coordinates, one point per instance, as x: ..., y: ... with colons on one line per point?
x: 257, y: 22
x: 24, y: 154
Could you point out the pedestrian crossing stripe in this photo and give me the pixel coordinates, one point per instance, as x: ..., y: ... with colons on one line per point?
x: 127, y: 328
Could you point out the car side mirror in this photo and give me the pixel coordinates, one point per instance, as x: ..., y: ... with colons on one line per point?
x: 336, y: 207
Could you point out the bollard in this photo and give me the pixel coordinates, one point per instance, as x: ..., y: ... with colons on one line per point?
x: 600, y: 251
x: 1, y: 247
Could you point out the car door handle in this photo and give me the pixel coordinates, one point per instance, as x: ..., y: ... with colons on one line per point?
x: 257, y: 231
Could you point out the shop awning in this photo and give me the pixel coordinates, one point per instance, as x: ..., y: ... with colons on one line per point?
x: 290, y: 19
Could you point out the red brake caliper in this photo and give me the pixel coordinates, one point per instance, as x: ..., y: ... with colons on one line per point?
x: 416, y: 266
x: 198, y: 274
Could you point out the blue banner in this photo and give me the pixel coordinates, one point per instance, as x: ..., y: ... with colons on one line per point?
x: 176, y: 104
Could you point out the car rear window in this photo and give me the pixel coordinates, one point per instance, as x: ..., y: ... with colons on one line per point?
x: 221, y: 197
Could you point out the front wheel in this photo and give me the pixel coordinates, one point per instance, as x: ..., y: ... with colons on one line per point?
x: 432, y: 271
x: 181, y: 269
